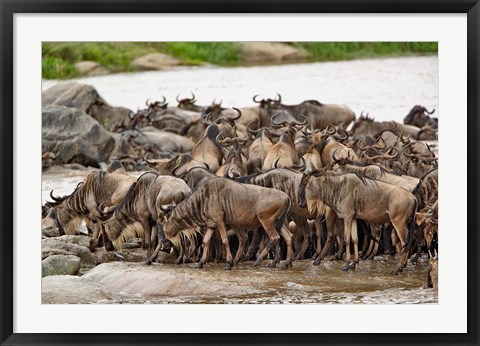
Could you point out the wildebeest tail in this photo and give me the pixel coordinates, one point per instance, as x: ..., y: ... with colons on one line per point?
x: 281, y: 219
x: 411, y: 227
x: 366, y: 228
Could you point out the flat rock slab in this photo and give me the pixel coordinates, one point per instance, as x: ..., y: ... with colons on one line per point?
x: 253, y: 52
x: 160, y: 280
x: 155, y: 61
x: 73, y: 290
x: 91, y: 68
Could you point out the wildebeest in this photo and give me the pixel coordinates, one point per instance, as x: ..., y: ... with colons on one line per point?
x: 419, y: 116
x: 288, y: 181
x: 143, y: 203
x: 224, y: 203
x: 352, y: 196
x: 98, y: 188
x: 318, y: 114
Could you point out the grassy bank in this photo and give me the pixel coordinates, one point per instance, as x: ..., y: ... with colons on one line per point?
x: 58, y: 58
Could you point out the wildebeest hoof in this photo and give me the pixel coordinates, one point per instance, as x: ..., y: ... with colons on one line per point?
x: 317, y: 261
x: 396, y: 271
x: 336, y: 258
x: 272, y: 264
x: 198, y: 265
x: 148, y: 261
x: 348, y: 266
x: 227, y: 266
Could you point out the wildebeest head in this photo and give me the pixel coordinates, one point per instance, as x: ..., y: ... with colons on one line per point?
x: 189, y: 104
x: 418, y: 116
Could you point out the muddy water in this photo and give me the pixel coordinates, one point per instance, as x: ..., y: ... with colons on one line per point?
x: 386, y: 88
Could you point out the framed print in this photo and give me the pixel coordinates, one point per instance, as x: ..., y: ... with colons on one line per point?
x: 239, y: 173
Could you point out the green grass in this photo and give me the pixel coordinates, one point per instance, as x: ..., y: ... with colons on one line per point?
x: 59, y: 58
x: 327, y: 51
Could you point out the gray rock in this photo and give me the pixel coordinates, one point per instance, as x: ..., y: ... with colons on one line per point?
x: 75, y: 136
x: 85, y: 98
x: 155, y: 61
x: 125, y: 255
x: 51, y: 232
x: 50, y: 245
x: 256, y: 52
x: 91, y: 68
x: 73, y: 95
x: 73, y: 290
x: 83, y: 240
x: 60, y: 265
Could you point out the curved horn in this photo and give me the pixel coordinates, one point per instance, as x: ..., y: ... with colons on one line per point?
x: 377, y: 145
x: 146, y: 159
x: 433, y: 110
x: 239, y: 114
x: 255, y: 99
x: 301, y: 165
x: 250, y: 130
x: 372, y: 157
x: 164, y: 99
x: 174, y: 171
x: 56, y: 199
x: 279, y: 98
x: 147, y: 103
x: 334, y: 157
x: 193, y: 97
x: 345, y: 137
x: 359, y: 146
x: 330, y: 132
x: 387, y: 156
x: 177, y: 99
x: 276, y: 162
x: 301, y: 123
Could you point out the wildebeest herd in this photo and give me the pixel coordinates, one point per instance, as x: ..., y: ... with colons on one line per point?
x: 285, y: 182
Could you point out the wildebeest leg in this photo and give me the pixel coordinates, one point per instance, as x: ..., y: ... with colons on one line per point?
x: 269, y: 227
x: 387, y: 240
x: 253, y: 246
x: 223, y: 234
x: 206, y: 248
x: 349, y: 222
x: 306, y: 231
x: 417, y: 254
x: 318, y: 234
x: 396, y: 242
x: 340, y: 246
x: 366, y: 245
x: 181, y: 253
x: 330, y: 217
x: 242, y: 238
x: 401, y: 230
x: 147, y: 236
x: 108, y: 245
x: 287, y: 236
x: 354, y: 232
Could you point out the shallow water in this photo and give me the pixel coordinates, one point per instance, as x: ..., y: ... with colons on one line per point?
x: 370, y: 283
x: 386, y: 88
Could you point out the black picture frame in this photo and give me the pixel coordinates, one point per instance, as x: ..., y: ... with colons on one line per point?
x: 9, y: 8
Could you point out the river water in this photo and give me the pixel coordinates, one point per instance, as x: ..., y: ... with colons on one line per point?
x: 386, y: 88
